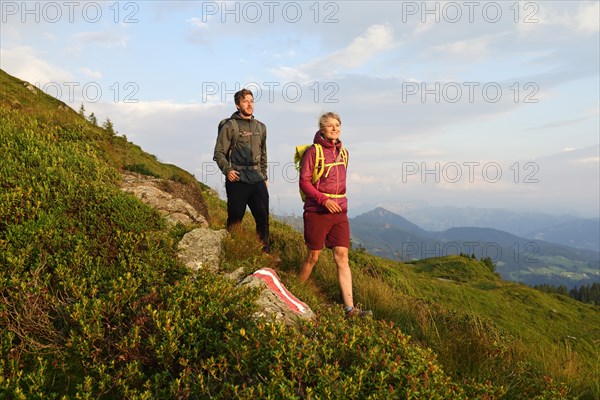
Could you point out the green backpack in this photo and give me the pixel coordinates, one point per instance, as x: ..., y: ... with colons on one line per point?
x: 320, y: 165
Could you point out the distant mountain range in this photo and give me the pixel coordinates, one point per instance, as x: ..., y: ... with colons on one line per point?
x: 580, y: 233
x: 532, y: 261
x: 568, y: 230
x: 557, y: 250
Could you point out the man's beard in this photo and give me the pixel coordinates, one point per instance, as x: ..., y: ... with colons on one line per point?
x: 245, y: 114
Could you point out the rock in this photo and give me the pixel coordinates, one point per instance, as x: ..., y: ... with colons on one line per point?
x: 200, y: 249
x: 150, y: 191
x: 30, y: 87
x: 275, y: 301
x: 237, y: 275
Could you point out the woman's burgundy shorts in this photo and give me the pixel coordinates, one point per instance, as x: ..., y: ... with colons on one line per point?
x: 329, y: 229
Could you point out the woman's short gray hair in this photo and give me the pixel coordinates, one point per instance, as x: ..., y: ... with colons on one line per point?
x: 327, y: 115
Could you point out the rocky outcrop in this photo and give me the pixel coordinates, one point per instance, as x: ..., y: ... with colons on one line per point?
x: 201, y: 248
x: 155, y: 192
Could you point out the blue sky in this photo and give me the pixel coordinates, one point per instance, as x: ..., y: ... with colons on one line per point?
x: 460, y: 103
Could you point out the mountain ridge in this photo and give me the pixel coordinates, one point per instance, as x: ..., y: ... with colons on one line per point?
x: 439, y: 218
x: 516, y: 257
x: 580, y: 233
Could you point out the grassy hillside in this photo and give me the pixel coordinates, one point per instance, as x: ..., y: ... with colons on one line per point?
x: 93, y: 303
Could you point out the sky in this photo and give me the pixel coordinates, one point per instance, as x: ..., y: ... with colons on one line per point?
x: 490, y: 104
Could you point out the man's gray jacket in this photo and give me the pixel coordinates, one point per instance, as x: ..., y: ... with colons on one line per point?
x: 242, y: 146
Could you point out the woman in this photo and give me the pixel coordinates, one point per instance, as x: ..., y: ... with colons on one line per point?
x: 325, y: 207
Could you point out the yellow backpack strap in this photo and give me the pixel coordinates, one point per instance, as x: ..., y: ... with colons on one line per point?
x: 344, y: 156
x: 319, y: 163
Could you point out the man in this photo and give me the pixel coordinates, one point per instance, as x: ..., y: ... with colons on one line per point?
x: 241, y: 154
x: 325, y: 207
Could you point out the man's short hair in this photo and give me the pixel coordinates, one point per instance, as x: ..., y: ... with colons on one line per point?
x: 240, y: 94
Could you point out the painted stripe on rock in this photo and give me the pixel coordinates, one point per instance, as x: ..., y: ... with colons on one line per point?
x: 271, y: 278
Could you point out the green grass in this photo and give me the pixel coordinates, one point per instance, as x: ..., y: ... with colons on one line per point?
x: 94, y: 304
x: 481, y: 327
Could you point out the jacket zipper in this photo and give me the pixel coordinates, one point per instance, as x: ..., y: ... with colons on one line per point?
x: 337, y: 176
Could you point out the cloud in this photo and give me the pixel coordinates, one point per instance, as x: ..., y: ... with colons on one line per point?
x: 374, y: 41
x: 199, y: 32
x: 110, y: 38
x: 197, y: 23
x: 589, y: 160
x: 585, y: 19
x: 27, y: 64
x: 566, y: 180
x: 557, y: 124
x: 92, y: 74
x: 474, y: 49
x: 566, y: 122
x: 363, y: 179
x: 156, y: 116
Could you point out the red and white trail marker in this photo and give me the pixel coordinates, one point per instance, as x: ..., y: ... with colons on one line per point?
x: 270, y: 277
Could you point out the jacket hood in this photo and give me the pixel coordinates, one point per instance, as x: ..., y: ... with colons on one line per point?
x: 319, y: 139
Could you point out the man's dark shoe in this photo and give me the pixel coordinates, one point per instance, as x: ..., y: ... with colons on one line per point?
x: 355, y: 312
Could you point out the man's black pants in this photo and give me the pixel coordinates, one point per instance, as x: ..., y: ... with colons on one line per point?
x: 256, y: 197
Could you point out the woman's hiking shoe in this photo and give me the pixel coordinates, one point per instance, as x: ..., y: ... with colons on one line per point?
x: 355, y: 312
